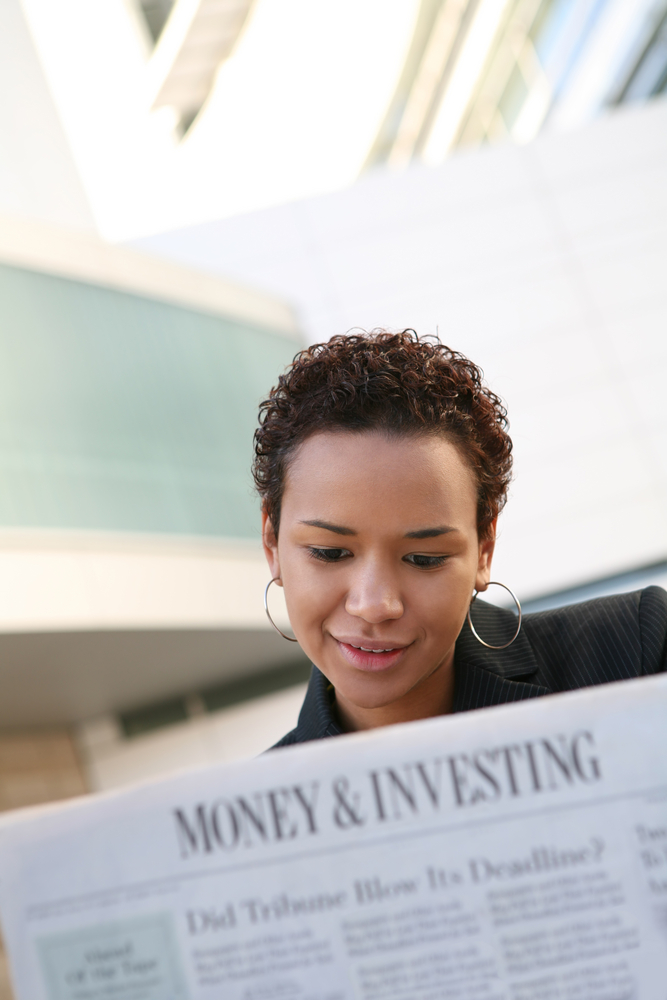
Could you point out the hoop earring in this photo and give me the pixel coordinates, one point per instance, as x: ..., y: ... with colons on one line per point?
x: 268, y: 613
x: 488, y: 645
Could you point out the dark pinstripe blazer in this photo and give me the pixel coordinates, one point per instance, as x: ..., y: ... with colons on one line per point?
x: 609, y: 639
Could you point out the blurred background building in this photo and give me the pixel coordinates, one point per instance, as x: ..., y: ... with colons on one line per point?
x: 193, y: 189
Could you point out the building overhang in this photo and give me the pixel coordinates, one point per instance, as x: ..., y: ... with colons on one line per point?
x: 96, y: 622
x: 197, y: 37
x: 81, y: 256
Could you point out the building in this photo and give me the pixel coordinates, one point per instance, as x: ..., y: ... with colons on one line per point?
x: 130, y: 563
x: 172, y: 173
x: 491, y: 70
x: 200, y: 109
x: 543, y: 262
x: 490, y: 170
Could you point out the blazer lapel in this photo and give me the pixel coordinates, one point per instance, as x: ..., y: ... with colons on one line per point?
x: 475, y: 687
x: 316, y: 718
x: 485, y: 677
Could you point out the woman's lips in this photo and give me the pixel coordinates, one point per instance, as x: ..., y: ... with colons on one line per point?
x: 366, y: 659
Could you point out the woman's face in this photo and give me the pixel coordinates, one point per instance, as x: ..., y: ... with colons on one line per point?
x: 378, y: 554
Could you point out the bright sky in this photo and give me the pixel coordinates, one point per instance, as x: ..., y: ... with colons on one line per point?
x: 293, y: 112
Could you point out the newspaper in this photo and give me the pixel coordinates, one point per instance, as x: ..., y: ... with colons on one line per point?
x: 518, y: 852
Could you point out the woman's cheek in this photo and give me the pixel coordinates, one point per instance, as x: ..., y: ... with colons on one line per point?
x: 308, y: 610
x: 444, y: 610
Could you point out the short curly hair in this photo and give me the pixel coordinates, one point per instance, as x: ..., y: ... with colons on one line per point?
x: 397, y: 383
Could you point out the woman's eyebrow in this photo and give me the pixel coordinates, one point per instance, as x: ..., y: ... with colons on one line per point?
x: 336, y: 528
x: 430, y: 532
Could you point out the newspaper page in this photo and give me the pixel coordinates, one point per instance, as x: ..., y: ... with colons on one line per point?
x: 515, y: 853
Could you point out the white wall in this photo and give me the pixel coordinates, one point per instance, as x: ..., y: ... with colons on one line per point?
x: 292, y: 111
x: 83, y: 256
x: 546, y: 264
x: 38, y: 177
x: 92, y: 622
x: 72, y: 581
x: 246, y: 730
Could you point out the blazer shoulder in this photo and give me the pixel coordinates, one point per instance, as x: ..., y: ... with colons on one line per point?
x: 286, y: 741
x: 605, y: 639
x: 316, y: 718
x: 653, y: 628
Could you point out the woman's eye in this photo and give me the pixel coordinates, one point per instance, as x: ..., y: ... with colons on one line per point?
x: 425, y: 562
x: 328, y: 555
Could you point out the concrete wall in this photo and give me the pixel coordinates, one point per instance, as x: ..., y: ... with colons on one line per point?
x: 130, y: 563
x: 264, y: 136
x: 36, y: 767
x: 38, y: 176
x: 246, y: 730
x: 97, y: 622
x: 546, y: 264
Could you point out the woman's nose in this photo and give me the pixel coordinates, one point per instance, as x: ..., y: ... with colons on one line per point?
x: 375, y: 597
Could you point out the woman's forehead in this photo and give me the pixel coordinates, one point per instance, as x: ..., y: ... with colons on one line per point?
x: 367, y: 474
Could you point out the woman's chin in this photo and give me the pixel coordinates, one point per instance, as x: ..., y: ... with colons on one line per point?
x: 369, y: 693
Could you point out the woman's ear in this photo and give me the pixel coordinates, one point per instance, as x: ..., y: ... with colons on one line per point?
x: 270, y: 545
x: 485, y: 557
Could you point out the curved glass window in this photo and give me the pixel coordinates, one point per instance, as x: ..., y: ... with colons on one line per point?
x: 119, y: 412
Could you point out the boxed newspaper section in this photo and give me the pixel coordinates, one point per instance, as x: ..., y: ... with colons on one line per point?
x: 517, y: 853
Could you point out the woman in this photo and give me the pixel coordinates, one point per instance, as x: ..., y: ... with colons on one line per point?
x: 382, y: 463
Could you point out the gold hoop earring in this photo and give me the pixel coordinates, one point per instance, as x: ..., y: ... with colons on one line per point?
x: 268, y: 613
x: 488, y: 645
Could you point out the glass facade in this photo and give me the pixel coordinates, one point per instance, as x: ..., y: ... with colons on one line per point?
x: 647, y: 76
x: 531, y: 61
x: 509, y: 80
x: 119, y: 412
x: 156, y: 13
